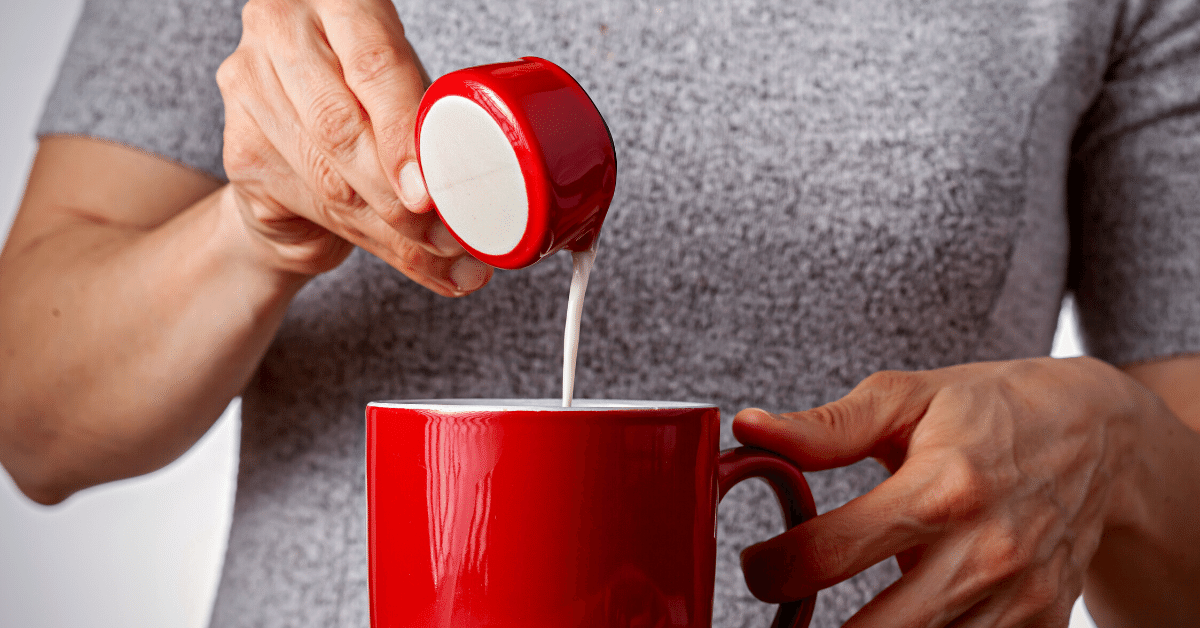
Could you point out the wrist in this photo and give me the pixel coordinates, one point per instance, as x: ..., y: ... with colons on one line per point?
x: 255, y: 248
x: 1147, y: 559
x: 1126, y: 431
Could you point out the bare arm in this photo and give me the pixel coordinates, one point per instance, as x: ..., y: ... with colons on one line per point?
x: 133, y: 307
x: 137, y: 296
x: 1146, y: 571
x: 1177, y: 382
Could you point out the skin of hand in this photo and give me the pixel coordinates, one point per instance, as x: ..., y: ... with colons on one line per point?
x: 138, y: 295
x: 1013, y: 485
x: 321, y: 98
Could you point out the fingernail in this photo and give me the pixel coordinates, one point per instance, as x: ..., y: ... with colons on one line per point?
x: 439, y: 236
x: 412, y: 186
x: 756, y: 416
x: 468, y: 274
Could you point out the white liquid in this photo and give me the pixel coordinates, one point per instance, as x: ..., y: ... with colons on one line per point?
x: 582, y: 262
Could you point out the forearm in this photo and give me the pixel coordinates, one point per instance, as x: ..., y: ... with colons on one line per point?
x: 121, y: 346
x: 1146, y: 571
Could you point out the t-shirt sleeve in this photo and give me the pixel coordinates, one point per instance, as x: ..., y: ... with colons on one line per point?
x: 143, y: 73
x: 1134, y: 191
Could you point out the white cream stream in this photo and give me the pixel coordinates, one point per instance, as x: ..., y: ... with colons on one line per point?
x: 581, y: 262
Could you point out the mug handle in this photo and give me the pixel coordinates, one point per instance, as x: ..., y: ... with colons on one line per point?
x: 795, y: 500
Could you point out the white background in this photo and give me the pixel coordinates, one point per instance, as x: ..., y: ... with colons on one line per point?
x: 135, y: 554
x: 142, y: 552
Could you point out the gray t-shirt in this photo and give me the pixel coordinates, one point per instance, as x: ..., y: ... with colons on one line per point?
x: 808, y: 193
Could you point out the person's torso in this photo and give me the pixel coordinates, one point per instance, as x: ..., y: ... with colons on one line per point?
x: 808, y: 192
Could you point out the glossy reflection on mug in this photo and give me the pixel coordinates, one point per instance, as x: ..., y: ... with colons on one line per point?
x: 460, y: 458
x: 503, y: 513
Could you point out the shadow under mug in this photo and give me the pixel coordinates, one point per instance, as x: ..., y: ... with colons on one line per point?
x: 523, y: 513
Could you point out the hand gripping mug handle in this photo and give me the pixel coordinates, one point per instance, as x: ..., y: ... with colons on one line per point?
x: 795, y: 499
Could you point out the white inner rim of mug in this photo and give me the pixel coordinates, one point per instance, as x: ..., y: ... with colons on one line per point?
x: 473, y: 175
x: 548, y: 405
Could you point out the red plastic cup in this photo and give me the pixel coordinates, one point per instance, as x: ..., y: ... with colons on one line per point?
x: 507, y: 514
x: 517, y: 160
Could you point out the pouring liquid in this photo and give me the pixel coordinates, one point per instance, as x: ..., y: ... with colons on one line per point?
x: 581, y: 262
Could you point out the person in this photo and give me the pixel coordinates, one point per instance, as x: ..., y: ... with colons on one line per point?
x: 860, y: 217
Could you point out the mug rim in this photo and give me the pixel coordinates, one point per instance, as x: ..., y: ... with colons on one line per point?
x: 536, y: 405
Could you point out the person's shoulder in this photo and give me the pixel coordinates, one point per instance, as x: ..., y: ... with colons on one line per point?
x: 143, y: 73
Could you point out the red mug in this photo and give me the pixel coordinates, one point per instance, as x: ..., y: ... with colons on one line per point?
x: 507, y: 513
x: 517, y: 160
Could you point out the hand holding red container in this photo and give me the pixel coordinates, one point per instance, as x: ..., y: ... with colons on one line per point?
x: 517, y: 159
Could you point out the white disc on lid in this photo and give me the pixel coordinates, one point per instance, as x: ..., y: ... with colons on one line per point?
x: 473, y: 176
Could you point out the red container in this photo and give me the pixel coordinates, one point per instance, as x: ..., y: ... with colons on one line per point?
x: 517, y: 160
x: 507, y: 513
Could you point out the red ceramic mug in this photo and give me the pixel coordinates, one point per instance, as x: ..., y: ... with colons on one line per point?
x: 517, y: 160
x: 506, y: 513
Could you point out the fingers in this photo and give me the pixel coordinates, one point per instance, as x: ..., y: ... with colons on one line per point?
x: 842, y: 542
x: 973, y: 578
x: 411, y: 187
x: 986, y: 574
x: 299, y: 92
x: 937, y: 592
x: 294, y: 244
x: 971, y: 589
x: 963, y: 580
x: 332, y: 139
x: 274, y: 200
x: 449, y: 276
x: 875, y: 419
x: 980, y: 511
x: 383, y: 72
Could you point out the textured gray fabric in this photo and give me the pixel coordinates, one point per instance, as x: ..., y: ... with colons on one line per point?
x: 1135, y: 188
x: 141, y: 73
x: 809, y: 192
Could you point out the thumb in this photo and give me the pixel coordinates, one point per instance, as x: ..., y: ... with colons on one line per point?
x: 412, y: 188
x: 875, y: 419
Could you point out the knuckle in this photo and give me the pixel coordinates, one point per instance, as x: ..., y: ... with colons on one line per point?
x: 412, y: 257
x: 371, y: 62
x: 241, y: 159
x: 888, y: 380
x: 257, y: 14
x: 885, y: 388
x: 959, y: 491
x: 409, y: 259
x: 228, y: 71
x: 234, y: 73
x: 355, y: 233
x: 1000, y: 554
x: 330, y: 187
x: 834, y: 418
x: 337, y: 123
x: 393, y: 213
